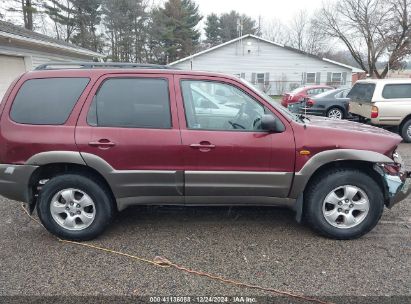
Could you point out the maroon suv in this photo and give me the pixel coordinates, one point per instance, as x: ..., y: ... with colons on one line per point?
x: 80, y: 144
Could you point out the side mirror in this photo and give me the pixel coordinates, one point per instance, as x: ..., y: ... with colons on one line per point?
x: 271, y: 124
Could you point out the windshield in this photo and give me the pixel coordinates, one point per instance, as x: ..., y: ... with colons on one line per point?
x: 278, y: 107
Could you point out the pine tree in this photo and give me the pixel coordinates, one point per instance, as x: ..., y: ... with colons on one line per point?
x: 230, y: 25
x: 87, y: 18
x: 76, y: 21
x: 62, y: 13
x: 174, y: 27
x: 126, y: 27
x: 213, y: 30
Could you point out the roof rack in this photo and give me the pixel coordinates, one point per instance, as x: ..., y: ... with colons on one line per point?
x: 98, y: 65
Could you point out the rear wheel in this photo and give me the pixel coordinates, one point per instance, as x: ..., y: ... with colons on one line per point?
x: 75, y: 207
x: 343, y: 204
x: 406, y: 131
x: 335, y: 113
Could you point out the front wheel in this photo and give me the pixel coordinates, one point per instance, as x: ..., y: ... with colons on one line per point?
x: 343, y: 204
x: 75, y: 207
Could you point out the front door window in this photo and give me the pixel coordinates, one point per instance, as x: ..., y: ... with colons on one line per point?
x: 206, y: 110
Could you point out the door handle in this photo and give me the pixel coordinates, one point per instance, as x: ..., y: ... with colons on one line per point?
x: 203, y: 146
x: 102, y: 143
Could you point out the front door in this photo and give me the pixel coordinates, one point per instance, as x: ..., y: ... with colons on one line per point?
x: 128, y: 130
x: 226, y: 153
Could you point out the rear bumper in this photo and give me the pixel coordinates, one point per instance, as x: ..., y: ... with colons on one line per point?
x: 14, y: 180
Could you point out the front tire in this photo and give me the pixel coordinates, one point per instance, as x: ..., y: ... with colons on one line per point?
x: 75, y: 207
x: 343, y: 204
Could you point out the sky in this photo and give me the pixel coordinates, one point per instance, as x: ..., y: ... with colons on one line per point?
x: 282, y: 10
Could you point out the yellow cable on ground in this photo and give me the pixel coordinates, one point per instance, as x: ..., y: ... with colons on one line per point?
x: 163, y: 262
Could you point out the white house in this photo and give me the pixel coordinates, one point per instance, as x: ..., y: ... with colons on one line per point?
x: 22, y: 50
x: 274, y: 67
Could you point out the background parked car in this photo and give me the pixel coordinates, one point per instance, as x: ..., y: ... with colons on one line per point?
x: 333, y: 104
x: 383, y: 102
x: 303, y: 92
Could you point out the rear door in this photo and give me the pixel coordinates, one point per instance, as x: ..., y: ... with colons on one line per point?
x: 361, y: 96
x: 228, y: 155
x: 129, y: 130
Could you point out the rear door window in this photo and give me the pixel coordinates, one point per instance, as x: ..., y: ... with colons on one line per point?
x: 47, y: 101
x: 362, y: 92
x: 131, y: 103
x: 392, y: 91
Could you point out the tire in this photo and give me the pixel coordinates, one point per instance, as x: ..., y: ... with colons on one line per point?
x: 320, y: 203
x: 405, y: 134
x: 59, y: 211
x: 335, y: 113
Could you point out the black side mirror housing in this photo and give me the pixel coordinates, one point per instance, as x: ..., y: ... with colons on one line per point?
x: 272, y: 124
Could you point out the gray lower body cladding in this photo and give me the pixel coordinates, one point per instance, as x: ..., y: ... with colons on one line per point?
x: 14, y: 181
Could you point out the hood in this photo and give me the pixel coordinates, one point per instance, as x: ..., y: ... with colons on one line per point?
x: 322, y: 133
x: 348, y: 126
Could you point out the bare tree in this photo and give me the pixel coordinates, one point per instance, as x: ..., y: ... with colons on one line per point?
x: 371, y: 30
x: 305, y: 36
x: 276, y: 31
x: 281, y: 83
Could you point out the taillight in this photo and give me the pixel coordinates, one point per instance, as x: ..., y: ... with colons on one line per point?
x: 310, y: 103
x: 374, y: 112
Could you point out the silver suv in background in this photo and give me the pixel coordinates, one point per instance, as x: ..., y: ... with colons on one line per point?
x: 383, y: 102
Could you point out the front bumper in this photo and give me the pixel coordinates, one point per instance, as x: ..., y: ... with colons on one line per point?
x: 398, y: 185
x: 14, y: 181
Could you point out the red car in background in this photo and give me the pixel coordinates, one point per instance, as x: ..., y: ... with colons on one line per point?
x: 302, y: 92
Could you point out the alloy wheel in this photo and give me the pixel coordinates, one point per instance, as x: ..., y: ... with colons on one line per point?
x: 72, y: 209
x: 346, y: 206
x: 335, y: 114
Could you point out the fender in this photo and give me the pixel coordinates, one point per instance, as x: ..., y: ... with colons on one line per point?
x: 54, y: 157
x: 302, y: 177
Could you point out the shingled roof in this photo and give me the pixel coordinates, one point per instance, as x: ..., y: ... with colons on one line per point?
x: 10, y: 30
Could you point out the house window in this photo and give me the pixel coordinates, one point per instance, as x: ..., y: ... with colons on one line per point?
x: 240, y: 75
x: 336, y: 78
x: 311, y: 78
x: 260, y: 77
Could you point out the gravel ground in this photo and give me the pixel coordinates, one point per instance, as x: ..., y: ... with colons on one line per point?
x: 263, y: 246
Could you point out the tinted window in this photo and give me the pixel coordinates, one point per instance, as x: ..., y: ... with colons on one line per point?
x: 47, y: 101
x: 391, y: 91
x: 205, y: 110
x: 362, y: 92
x: 131, y: 103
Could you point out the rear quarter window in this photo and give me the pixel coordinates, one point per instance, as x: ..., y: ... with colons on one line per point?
x: 47, y: 101
x: 362, y: 92
x: 392, y: 91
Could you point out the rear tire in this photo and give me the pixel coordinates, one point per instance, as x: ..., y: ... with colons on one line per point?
x: 406, y: 131
x: 75, y: 207
x: 343, y: 204
x: 335, y: 113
